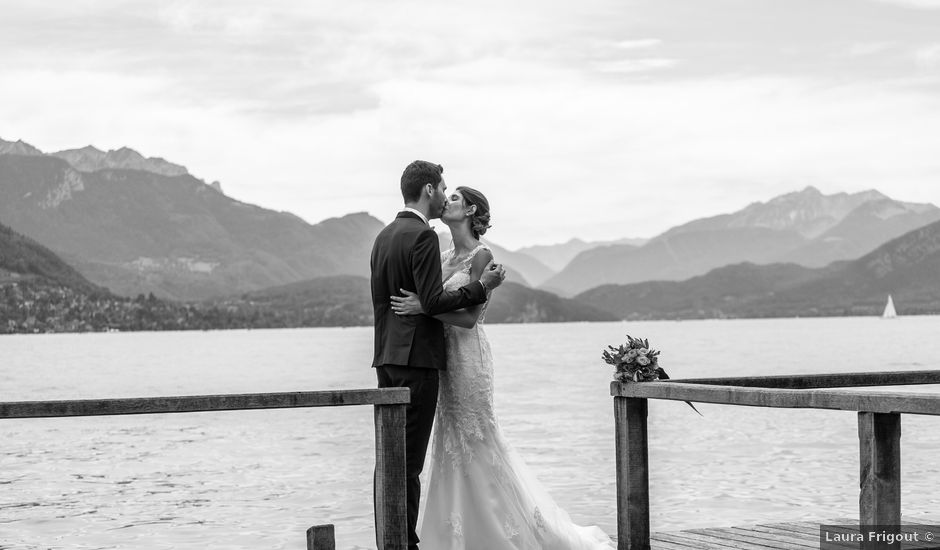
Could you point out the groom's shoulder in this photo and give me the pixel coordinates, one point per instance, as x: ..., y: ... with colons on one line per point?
x: 407, y: 224
x: 407, y: 230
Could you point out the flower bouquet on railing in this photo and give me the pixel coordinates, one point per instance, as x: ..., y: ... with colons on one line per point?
x: 634, y: 361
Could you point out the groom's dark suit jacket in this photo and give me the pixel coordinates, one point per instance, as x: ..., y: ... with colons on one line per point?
x: 406, y: 254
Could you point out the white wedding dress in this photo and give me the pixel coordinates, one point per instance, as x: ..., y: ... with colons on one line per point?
x: 481, y: 495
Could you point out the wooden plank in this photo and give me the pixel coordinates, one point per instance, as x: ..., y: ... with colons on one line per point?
x: 920, y: 520
x: 784, y: 536
x: 202, y: 403
x: 810, y: 535
x: 730, y: 541
x: 321, y: 537
x: 707, y: 541
x: 879, y: 499
x: 666, y: 545
x: 832, y: 380
x: 687, y: 540
x: 880, y: 402
x: 761, y: 537
x: 752, y: 539
x: 391, y: 521
x: 793, y: 528
x: 802, y: 535
x: 633, y: 486
x: 664, y: 541
x: 814, y: 529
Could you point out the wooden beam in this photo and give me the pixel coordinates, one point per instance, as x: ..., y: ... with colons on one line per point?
x: 881, y: 402
x: 879, y: 500
x: 391, y: 511
x: 202, y: 403
x: 832, y: 380
x: 321, y: 537
x: 633, y: 488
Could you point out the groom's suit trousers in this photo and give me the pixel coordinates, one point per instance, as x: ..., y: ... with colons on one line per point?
x: 423, y: 384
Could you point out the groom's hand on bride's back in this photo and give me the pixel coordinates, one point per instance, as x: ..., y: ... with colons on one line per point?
x: 406, y: 304
x: 493, y: 275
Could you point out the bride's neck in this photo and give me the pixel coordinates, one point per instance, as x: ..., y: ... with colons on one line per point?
x: 463, y: 238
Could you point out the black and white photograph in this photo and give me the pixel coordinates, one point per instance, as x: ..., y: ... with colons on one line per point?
x: 402, y: 275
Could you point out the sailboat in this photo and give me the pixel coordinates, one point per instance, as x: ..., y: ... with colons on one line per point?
x: 889, y: 312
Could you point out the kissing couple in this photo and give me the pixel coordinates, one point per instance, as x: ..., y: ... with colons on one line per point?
x: 428, y: 337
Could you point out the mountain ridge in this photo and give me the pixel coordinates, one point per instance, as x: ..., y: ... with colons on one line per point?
x: 91, y: 159
x: 805, y: 227
x: 135, y: 231
x: 557, y: 256
x: 904, y: 267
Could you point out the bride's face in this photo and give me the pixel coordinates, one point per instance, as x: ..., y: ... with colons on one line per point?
x: 456, y: 208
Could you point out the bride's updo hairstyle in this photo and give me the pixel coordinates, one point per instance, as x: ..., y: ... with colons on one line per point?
x: 480, y: 221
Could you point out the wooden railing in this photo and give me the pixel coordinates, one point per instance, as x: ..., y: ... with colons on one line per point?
x: 389, y: 403
x: 879, y: 432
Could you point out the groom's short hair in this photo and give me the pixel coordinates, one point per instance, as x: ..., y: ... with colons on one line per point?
x: 418, y: 174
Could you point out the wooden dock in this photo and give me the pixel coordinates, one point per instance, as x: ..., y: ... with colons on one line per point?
x: 879, y: 432
x: 389, y: 410
x: 800, y: 535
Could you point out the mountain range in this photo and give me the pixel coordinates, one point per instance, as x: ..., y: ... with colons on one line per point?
x: 806, y: 227
x: 24, y: 260
x: 145, y: 225
x: 905, y: 268
x: 134, y: 231
x: 520, y: 267
x: 136, y: 228
x: 89, y: 159
x: 131, y: 225
x: 346, y: 300
x: 557, y: 256
x: 41, y: 293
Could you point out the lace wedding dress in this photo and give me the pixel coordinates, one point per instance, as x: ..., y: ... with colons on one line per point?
x: 481, y: 495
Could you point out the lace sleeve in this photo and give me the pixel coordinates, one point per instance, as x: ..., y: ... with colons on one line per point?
x: 469, y: 261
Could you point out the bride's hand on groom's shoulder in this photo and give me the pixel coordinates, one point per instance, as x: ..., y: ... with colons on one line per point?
x: 408, y: 304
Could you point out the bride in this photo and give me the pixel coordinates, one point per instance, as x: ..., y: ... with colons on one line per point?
x: 481, y: 495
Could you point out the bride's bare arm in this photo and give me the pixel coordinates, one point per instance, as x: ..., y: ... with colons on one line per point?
x: 465, y: 318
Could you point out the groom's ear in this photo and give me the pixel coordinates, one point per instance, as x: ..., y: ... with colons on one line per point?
x: 429, y: 189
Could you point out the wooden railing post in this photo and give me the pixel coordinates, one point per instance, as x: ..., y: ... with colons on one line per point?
x: 879, y: 500
x: 391, y: 521
x: 633, y: 499
x: 321, y: 537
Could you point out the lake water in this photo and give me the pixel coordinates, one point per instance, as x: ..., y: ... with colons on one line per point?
x: 258, y: 479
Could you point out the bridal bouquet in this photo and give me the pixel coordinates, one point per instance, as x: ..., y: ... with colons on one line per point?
x: 634, y: 361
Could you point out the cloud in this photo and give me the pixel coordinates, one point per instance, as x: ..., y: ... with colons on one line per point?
x: 865, y: 49
x: 597, y: 120
x: 928, y: 56
x: 920, y: 4
x: 638, y: 44
x: 634, y: 65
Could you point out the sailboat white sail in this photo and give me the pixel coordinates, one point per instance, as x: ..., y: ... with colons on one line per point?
x: 889, y: 312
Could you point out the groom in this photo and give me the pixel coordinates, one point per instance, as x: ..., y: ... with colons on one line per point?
x: 409, y: 350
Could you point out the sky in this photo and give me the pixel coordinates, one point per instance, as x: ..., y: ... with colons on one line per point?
x: 596, y: 119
